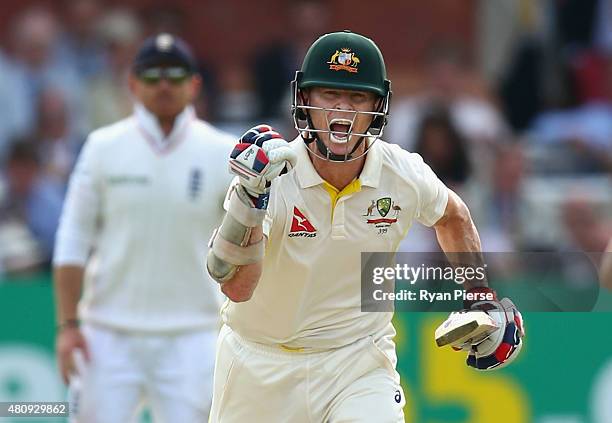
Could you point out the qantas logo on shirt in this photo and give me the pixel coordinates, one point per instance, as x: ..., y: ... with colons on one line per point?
x: 300, y: 226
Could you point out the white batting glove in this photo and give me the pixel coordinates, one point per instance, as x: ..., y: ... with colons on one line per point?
x: 503, y: 346
x: 490, y: 331
x: 260, y: 156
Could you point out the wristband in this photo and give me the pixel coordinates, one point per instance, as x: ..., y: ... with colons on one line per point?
x: 467, y: 304
x: 68, y: 323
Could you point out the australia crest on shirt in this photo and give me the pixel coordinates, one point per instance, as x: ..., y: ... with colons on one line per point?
x: 382, y: 213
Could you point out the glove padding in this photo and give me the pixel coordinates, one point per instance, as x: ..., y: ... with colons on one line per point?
x: 501, y: 347
x: 260, y: 156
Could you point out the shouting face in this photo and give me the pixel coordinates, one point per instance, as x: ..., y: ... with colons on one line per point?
x: 342, y: 116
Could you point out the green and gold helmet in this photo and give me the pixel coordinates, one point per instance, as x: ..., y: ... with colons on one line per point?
x: 341, y: 60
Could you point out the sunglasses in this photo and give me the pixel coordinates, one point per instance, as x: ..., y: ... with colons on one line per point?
x: 174, y: 75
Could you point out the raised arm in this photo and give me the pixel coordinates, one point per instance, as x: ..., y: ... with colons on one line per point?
x: 237, y: 246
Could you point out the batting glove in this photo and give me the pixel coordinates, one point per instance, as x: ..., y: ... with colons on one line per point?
x: 503, y: 346
x: 260, y: 156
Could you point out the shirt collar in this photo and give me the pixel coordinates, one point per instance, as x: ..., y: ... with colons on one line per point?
x: 370, y: 174
x: 149, y: 123
x: 306, y: 173
x: 308, y: 176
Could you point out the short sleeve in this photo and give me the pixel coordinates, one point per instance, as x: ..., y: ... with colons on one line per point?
x: 433, y: 196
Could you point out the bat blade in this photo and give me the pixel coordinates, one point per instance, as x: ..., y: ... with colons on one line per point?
x: 465, y: 327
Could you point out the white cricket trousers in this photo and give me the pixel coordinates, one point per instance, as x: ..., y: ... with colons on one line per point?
x: 172, y: 373
x: 264, y: 383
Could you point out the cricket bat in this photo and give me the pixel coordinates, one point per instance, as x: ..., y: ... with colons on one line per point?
x: 463, y: 327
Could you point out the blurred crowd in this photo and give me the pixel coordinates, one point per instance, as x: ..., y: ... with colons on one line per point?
x: 520, y: 125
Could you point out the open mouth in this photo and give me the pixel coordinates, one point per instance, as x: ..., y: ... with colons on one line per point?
x: 339, y: 129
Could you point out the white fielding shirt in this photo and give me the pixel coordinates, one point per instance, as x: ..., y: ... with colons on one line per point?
x: 309, y: 295
x: 146, y: 205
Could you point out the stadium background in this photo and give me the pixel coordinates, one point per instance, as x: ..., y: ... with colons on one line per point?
x: 519, y: 92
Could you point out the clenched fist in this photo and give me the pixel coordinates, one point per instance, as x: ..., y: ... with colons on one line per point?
x: 260, y: 156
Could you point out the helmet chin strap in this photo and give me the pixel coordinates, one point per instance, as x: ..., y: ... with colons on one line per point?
x: 323, y: 148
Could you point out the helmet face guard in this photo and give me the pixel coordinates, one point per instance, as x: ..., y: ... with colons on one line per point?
x: 303, y: 124
x: 341, y: 61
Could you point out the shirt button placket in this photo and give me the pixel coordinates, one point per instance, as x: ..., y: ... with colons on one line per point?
x: 338, y: 230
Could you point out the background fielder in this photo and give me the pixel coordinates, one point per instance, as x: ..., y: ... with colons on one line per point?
x: 145, y: 195
x: 294, y: 332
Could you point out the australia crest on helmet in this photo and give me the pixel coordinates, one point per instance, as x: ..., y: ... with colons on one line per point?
x: 344, y: 59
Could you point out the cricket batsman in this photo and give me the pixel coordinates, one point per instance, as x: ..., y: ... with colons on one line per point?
x: 295, y: 345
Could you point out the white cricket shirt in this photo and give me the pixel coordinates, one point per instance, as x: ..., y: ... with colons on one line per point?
x: 309, y: 295
x: 146, y: 204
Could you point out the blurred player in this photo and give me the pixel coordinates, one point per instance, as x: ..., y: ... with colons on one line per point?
x: 145, y: 195
x: 295, y: 346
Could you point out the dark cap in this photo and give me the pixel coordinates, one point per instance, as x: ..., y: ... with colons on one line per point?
x: 164, y: 49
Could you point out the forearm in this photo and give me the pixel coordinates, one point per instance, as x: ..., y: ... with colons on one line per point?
x: 236, y: 249
x: 237, y: 246
x: 68, y: 282
x: 459, y: 239
x: 242, y: 284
